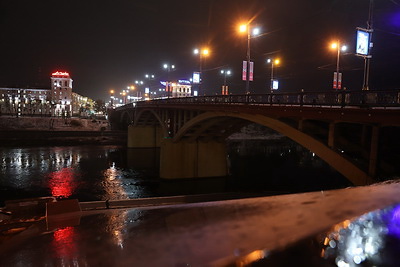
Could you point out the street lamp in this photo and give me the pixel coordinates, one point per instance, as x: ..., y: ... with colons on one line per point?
x: 123, y: 97
x: 225, y: 87
x: 251, y: 32
x: 133, y: 88
x: 112, y: 97
x: 337, y: 77
x: 273, y: 62
x: 204, y: 52
x: 168, y: 68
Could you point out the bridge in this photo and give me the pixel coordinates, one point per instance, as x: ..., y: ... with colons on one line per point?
x: 356, y: 132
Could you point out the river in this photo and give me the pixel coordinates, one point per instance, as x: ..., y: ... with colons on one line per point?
x: 91, y: 173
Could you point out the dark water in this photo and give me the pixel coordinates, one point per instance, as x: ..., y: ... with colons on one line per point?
x: 91, y: 173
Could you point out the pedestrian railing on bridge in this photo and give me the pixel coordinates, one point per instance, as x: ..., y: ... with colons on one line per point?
x: 334, y: 99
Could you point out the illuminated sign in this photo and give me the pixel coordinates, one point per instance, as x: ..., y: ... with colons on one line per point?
x: 275, y: 84
x: 60, y: 73
x: 196, y: 77
x: 183, y: 82
x: 363, y: 42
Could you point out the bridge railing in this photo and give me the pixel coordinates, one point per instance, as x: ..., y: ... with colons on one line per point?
x: 333, y: 99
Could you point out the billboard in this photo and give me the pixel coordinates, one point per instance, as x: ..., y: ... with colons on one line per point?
x: 196, y: 77
x: 363, y: 42
x: 275, y: 84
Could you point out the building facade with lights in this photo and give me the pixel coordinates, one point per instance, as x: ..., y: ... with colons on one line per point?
x: 181, y: 90
x: 58, y: 100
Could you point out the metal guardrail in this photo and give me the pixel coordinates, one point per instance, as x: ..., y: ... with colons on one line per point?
x: 339, y: 99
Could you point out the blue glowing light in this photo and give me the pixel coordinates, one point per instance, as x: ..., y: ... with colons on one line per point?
x: 395, y: 19
x: 393, y: 223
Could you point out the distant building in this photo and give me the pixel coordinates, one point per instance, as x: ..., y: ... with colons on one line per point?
x: 181, y: 89
x: 58, y: 100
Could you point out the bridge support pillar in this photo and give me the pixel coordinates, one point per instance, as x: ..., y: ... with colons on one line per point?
x: 192, y: 159
x: 144, y: 136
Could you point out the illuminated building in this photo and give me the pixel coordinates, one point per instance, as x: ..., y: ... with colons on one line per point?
x: 182, y: 88
x: 61, y: 93
x: 58, y: 100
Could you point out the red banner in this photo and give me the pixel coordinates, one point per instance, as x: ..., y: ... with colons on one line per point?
x: 335, y: 80
x: 251, y: 71
x: 244, y: 71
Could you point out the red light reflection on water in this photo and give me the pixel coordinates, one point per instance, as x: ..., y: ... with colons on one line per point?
x: 64, y: 243
x: 62, y: 183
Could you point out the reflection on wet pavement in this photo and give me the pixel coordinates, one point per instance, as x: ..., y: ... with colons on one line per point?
x: 260, y: 231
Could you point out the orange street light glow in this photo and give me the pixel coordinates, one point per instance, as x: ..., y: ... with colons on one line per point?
x: 243, y: 28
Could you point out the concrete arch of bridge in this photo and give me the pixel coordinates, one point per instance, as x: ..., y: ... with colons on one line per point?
x: 147, y: 130
x: 126, y: 120
x: 337, y: 161
x: 154, y: 118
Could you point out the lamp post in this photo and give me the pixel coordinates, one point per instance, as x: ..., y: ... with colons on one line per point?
x: 112, y: 97
x: 168, y: 68
x: 245, y: 28
x: 225, y: 87
x: 337, y: 78
x: 273, y: 62
x: 204, y: 52
x: 138, y: 93
x: 132, y: 88
x: 150, y: 77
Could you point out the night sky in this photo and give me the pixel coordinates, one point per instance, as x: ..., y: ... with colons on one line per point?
x: 109, y: 44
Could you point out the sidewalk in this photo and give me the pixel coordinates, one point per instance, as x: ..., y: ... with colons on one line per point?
x: 216, y: 233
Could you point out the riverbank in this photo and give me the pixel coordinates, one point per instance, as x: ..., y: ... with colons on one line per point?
x: 49, y: 131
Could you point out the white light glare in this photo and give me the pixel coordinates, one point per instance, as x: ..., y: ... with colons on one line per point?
x: 256, y: 31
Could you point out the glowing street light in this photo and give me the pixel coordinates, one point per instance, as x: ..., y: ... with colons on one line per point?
x: 225, y: 87
x: 251, y: 32
x: 133, y: 88
x: 204, y: 52
x: 273, y: 62
x: 337, y: 77
x: 226, y: 73
x: 168, y: 68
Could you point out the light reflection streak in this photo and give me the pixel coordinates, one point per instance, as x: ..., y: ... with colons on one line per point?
x: 64, y: 243
x: 116, y: 226
x: 62, y: 183
x: 113, y: 185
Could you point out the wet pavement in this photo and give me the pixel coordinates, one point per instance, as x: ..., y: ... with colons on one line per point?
x: 217, y: 233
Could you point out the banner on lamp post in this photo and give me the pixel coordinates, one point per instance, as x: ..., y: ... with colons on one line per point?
x: 244, y: 71
x: 251, y: 71
x: 337, y: 80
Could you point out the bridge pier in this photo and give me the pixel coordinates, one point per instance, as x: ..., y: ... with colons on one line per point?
x: 144, y: 136
x: 192, y: 159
